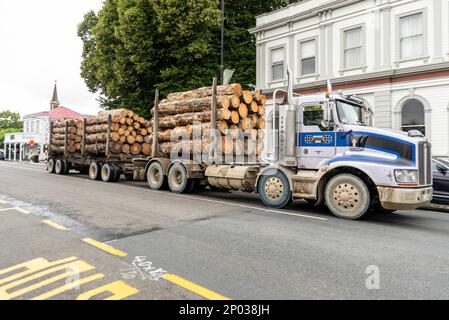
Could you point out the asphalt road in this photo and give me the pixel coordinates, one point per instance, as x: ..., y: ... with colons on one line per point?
x: 215, y: 245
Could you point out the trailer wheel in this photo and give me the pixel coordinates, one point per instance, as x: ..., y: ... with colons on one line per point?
x: 67, y: 167
x: 95, y: 171
x: 274, y: 190
x: 177, y: 179
x: 155, y: 176
x: 347, y: 196
x: 117, y: 172
x: 107, y: 173
x: 51, y: 166
x: 60, y: 167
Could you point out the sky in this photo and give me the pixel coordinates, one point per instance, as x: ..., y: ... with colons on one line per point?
x: 38, y: 45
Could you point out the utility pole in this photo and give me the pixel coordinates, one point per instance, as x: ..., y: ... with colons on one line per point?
x: 222, y: 41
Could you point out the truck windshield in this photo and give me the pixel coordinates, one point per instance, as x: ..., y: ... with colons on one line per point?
x: 349, y: 113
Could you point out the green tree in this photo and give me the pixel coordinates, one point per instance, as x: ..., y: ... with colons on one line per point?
x: 9, y: 122
x: 132, y: 47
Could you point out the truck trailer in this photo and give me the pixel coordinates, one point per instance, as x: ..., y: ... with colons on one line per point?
x: 321, y: 148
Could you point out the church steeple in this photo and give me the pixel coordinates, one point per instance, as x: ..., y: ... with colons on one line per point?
x: 54, y: 103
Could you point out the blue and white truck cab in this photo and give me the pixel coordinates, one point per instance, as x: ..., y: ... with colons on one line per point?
x: 324, y: 149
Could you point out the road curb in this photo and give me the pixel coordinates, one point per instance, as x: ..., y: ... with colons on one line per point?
x: 437, y: 207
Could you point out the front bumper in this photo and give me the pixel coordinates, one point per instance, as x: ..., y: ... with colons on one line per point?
x: 404, y: 198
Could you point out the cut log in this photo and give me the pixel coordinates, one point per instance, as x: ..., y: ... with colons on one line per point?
x: 115, y: 136
x: 131, y: 139
x: 122, y: 139
x: 247, y: 97
x: 185, y: 119
x: 235, y: 102
x: 115, y: 127
x: 263, y: 100
x: 235, y: 117
x: 116, y: 148
x: 254, y: 107
x: 96, y: 138
x: 126, y: 149
x: 262, y: 111
x: 136, y: 149
x: 261, y: 123
x: 95, y: 148
x: 146, y: 149
x: 257, y: 95
x: 232, y: 89
x: 223, y: 126
x: 167, y: 108
x: 246, y: 124
x: 243, y: 110
x: 139, y: 139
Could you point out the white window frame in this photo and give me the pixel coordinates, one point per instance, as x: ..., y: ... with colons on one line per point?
x: 425, y: 54
x: 272, y: 80
x: 300, y: 58
x: 343, y: 50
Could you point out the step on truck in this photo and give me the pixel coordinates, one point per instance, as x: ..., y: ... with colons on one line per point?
x: 321, y: 148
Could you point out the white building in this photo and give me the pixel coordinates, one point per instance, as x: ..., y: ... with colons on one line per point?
x: 393, y: 53
x: 33, y: 140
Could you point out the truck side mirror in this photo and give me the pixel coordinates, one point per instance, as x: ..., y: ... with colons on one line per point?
x: 326, y: 116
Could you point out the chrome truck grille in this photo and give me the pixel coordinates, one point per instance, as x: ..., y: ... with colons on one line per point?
x: 425, y: 163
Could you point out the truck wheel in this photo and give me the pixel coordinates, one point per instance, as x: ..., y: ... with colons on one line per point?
x: 347, y: 196
x: 117, y: 173
x: 60, y: 167
x: 155, y: 176
x: 107, y: 173
x: 274, y: 190
x: 67, y: 167
x: 95, y: 171
x: 51, y: 166
x: 177, y: 179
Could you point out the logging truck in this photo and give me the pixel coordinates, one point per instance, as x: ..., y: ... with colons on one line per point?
x: 321, y: 148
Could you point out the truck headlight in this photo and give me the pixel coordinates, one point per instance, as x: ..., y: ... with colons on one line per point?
x: 406, y: 176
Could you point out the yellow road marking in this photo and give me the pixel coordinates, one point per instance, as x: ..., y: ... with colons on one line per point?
x: 71, y: 269
x: 68, y: 286
x: 119, y: 289
x: 31, y: 267
x: 105, y: 247
x: 22, y: 210
x: 7, y: 209
x: 206, y: 293
x: 55, y: 225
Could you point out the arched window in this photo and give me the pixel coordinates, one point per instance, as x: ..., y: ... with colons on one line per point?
x: 413, y: 117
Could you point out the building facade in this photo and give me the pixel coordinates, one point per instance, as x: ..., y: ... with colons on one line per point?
x: 393, y: 53
x: 34, y: 139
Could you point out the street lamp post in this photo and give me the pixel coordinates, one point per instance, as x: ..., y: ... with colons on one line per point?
x: 222, y: 41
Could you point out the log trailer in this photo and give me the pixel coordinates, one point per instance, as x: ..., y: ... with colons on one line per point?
x: 321, y: 148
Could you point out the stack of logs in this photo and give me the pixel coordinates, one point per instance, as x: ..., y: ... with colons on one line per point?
x: 74, y: 136
x: 237, y: 111
x: 130, y: 134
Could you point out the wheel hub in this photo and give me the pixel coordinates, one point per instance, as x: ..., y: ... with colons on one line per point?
x: 347, y: 196
x: 274, y: 188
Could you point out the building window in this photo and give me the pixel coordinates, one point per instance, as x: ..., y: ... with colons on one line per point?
x: 277, y: 64
x: 353, y: 48
x: 32, y: 126
x: 37, y: 126
x: 307, y: 57
x: 27, y: 126
x: 413, y: 117
x: 411, y: 34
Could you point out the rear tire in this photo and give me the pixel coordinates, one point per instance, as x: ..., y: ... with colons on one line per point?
x: 155, y: 176
x: 67, y: 167
x: 274, y: 190
x: 117, y: 173
x: 177, y: 179
x: 107, y: 173
x: 60, y: 167
x: 95, y: 171
x: 51, y: 166
x: 347, y: 196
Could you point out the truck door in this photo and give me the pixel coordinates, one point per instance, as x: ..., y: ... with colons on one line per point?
x: 315, y: 142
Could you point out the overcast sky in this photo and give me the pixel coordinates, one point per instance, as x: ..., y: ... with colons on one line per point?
x: 38, y: 45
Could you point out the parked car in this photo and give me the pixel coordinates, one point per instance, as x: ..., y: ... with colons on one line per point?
x: 440, y: 168
x: 2, y: 155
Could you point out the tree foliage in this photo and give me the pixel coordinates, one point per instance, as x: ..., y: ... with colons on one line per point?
x: 132, y: 47
x: 9, y: 122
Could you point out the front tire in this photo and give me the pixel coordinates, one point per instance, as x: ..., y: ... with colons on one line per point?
x: 274, y: 190
x: 347, y: 196
x: 155, y: 176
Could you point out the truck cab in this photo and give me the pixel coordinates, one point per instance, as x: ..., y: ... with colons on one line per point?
x: 323, y: 148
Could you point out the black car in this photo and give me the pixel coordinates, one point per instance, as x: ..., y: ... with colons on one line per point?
x: 440, y: 168
x: 2, y: 155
